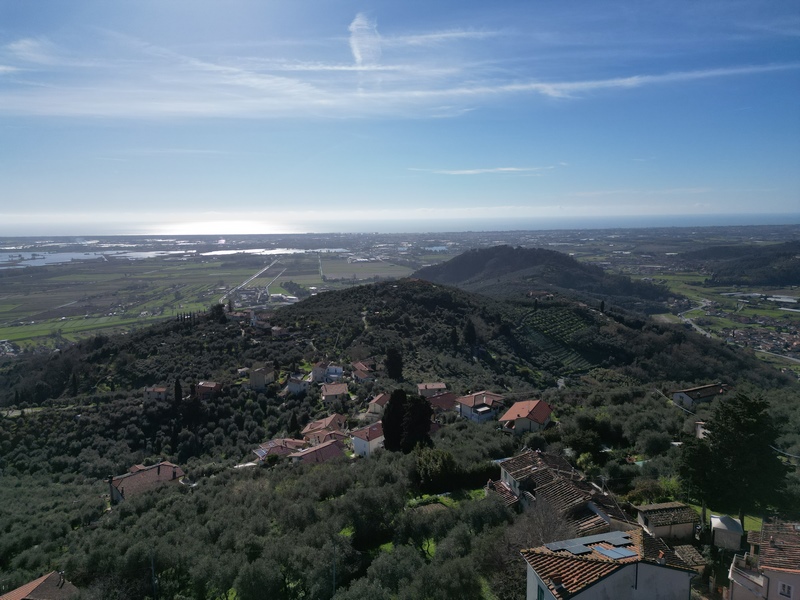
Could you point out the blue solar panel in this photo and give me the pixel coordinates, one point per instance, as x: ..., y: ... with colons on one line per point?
x: 616, y: 553
x: 579, y: 545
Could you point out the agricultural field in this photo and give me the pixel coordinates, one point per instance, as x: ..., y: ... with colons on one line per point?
x: 53, y: 305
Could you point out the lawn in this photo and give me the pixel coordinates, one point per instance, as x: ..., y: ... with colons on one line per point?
x: 751, y: 523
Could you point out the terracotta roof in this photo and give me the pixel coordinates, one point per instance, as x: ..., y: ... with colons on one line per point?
x: 587, y: 522
x: 445, y: 401
x: 478, y: 398
x: 668, y: 513
x: 141, y: 479
x: 380, y: 399
x: 370, y: 432
x: 278, y: 447
x: 48, y: 587
x: 423, y: 387
x: 532, y: 463
x: 334, y: 389
x: 780, y: 546
x: 535, y: 410
x: 320, y: 453
x: 501, y: 488
x: 334, y: 421
x: 562, y: 495
x: 689, y: 554
x: 580, y: 563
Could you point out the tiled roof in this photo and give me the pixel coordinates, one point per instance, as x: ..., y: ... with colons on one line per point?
x: 587, y: 522
x: 561, y: 495
x: 557, y: 563
x: 535, y: 410
x: 780, y: 546
x: 380, y: 399
x: 445, y: 401
x: 48, y: 587
x: 534, y: 464
x: 143, y: 479
x: 668, y: 513
x: 334, y: 421
x: 689, y: 554
x: 500, y: 488
x: 279, y: 447
x: 370, y: 432
x: 422, y: 387
x: 320, y: 453
x: 478, y: 398
x: 334, y: 389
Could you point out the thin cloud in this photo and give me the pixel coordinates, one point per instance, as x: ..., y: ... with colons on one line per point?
x: 438, y: 37
x: 492, y: 170
x: 365, y: 41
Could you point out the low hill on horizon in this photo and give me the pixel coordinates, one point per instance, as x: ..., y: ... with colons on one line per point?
x: 514, y: 272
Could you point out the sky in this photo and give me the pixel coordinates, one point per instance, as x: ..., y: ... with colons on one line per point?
x: 274, y: 116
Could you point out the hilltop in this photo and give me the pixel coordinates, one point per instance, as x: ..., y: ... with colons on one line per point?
x: 508, y: 272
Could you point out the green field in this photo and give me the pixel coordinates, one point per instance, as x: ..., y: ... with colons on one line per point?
x: 50, y: 305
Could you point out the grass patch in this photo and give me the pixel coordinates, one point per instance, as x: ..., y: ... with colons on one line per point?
x: 751, y: 523
x: 387, y: 547
x: 347, y: 531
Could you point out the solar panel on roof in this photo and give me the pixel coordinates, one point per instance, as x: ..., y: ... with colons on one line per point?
x: 615, y: 538
x: 616, y: 553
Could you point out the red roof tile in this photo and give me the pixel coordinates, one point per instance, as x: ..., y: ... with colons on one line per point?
x: 537, y: 411
x: 780, y: 546
x: 48, y: 587
x: 370, y: 432
x: 478, y: 398
x: 320, y: 453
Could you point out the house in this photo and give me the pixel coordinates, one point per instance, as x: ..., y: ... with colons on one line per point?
x: 333, y: 392
x: 700, y: 431
x: 480, y: 406
x: 206, y: 390
x: 726, y: 532
x: 691, y: 397
x: 278, y: 447
x: 539, y: 477
x: 771, y: 569
x: 377, y: 405
x: 155, y: 393
x: 426, y: 390
x: 297, y: 385
x: 319, y: 454
x: 260, y: 378
x: 367, y: 439
x: 322, y: 430
x: 442, y: 402
x: 623, y: 565
x: 672, y: 520
x: 324, y: 371
x: 525, y: 416
x: 140, y: 479
x: 361, y: 376
x: 52, y: 586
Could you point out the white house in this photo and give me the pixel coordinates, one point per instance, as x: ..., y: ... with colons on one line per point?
x: 771, y: 569
x: 367, y: 439
x: 691, y: 397
x: 727, y: 533
x: 480, y: 406
x: 618, y: 565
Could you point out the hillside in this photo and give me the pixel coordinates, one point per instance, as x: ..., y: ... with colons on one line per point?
x: 774, y: 264
x: 507, y: 272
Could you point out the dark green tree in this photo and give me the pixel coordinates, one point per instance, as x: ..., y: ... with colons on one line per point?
x: 745, y: 473
x: 217, y: 313
x: 178, y: 392
x: 394, y: 364
x: 406, y: 422
x: 470, y: 335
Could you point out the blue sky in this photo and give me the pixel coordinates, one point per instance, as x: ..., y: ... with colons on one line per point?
x: 270, y: 116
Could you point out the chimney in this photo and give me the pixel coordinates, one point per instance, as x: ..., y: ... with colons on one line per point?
x: 173, y: 471
x: 60, y: 579
x: 158, y: 469
x: 661, y: 558
x: 771, y: 541
x: 111, y: 488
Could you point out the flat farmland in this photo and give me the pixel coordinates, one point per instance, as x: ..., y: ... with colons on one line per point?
x: 56, y: 304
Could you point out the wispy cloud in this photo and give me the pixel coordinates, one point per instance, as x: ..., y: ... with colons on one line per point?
x: 365, y: 41
x: 437, y: 37
x: 491, y: 170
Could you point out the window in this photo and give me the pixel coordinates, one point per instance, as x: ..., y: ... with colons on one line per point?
x: 540, y: 593
x: 784, y: 589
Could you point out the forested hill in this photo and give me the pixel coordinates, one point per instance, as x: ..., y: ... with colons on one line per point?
x: 504, y: 271
x: 440, y: 332
x: 777, y: 264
